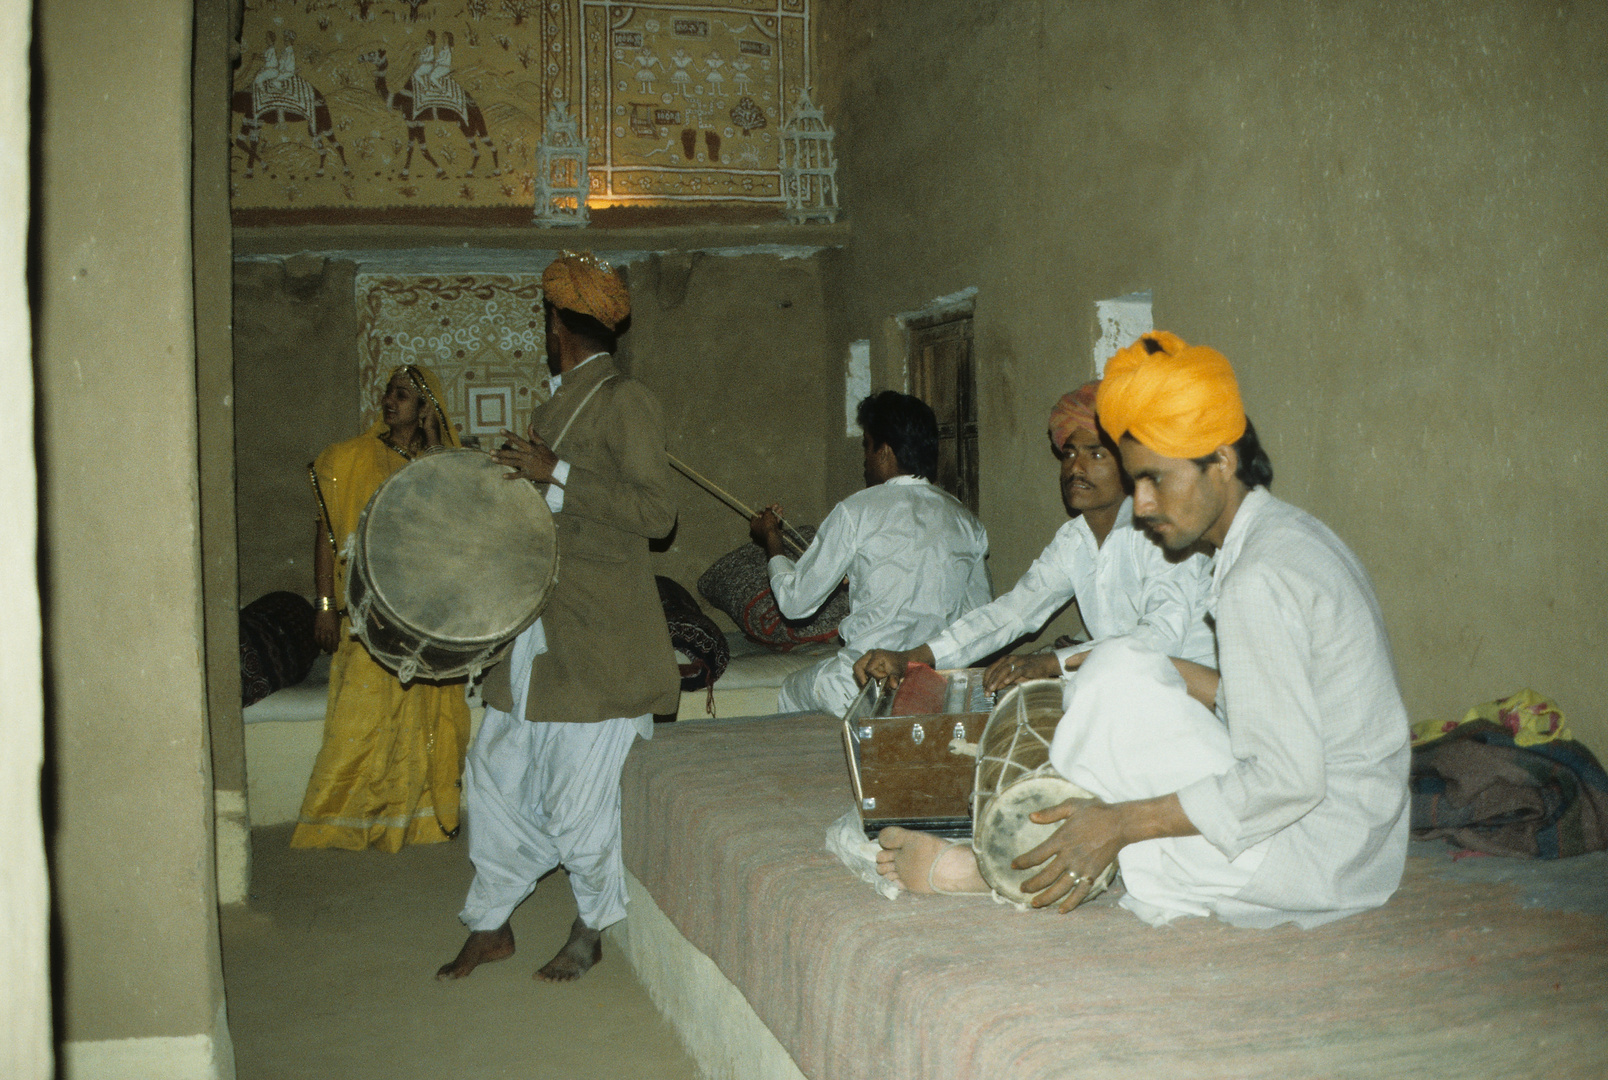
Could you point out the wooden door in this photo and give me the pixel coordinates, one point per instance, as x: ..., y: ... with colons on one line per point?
x: 940, y: 363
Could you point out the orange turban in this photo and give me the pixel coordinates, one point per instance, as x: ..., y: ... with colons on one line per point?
x: 582, y: 282
x: 1177, y: 399
x: 1073, y: 411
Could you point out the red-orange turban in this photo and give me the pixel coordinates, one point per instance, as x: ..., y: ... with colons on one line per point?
x: 1179, y: 400
x: 580, y: 281
x: 1073, y: 411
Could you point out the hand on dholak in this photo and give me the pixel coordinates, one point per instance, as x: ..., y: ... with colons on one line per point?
x: 1078, y: 852
x: 531, y: 459
x: 1010, y: 670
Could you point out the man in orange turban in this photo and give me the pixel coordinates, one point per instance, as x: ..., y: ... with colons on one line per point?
x: 1290, y: 805
x: 542, y: 781
x: 1123, y: 582
x: 1185, y: 403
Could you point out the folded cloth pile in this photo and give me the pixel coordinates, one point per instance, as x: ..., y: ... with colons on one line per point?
x: 1481, y: 787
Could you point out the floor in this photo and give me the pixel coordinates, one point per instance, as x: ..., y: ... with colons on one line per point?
x: 329, y: 971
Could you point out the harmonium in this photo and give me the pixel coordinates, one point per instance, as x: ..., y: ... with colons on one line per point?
x: 912, y: 751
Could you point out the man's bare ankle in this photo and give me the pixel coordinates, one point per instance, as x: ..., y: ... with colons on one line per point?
x: 580, y: 954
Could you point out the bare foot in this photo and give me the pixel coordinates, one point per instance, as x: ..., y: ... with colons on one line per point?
x: 583, y: 949
x: 483, y: 947
x: 922, y: 863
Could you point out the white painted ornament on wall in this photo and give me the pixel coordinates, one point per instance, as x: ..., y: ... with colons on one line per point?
x: 809, y: 167
x: 561, y: 181
x: 856, y: 384
x: 1120, y: 322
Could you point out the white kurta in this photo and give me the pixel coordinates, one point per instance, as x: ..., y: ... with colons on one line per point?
x: 915, y: 560
x: 1128, y: 585
x: 1304, y: 791
x: 540, y: 795
x: 1315, y: 717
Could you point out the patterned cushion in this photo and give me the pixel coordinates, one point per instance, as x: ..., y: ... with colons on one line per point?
x: 739, y: 584
x: 694, y: 635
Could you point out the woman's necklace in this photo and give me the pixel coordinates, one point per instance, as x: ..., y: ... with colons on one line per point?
x: 406, y: 453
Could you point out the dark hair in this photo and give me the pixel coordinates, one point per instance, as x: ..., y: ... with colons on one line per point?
x: 1255, y: 467
x: 905, y: 424
x: 585, y: 326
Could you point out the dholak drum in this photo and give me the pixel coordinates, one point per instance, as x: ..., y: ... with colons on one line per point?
x: 449, y: 563
x: 1014, y: 778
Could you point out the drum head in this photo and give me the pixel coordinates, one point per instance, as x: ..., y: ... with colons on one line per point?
x: 457, y: 552
x: 1004, y: 832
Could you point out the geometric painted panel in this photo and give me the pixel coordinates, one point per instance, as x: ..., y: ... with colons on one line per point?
x: 482, y: 334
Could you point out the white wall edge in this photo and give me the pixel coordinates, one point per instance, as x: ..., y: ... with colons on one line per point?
x: 187, y: 1057
x: 233, y: 846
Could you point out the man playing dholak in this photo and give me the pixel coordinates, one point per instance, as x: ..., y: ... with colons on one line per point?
x: 913, y: 555
x: 1290, y: 803
x: 1124, y: 582
x: 542, y: 782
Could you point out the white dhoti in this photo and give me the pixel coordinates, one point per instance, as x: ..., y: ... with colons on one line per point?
x: 538, y: 796
x: 1131, y: 731
x: 825, y: 687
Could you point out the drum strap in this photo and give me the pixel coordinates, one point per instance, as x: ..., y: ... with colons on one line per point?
x: 565, y: 429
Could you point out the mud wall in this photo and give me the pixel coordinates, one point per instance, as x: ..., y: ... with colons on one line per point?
x: 1388, y: 216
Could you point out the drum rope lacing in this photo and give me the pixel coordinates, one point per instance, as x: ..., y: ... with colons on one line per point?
x: 1008, y: 762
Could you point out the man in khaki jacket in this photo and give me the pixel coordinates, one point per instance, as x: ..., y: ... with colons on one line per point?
x: 542, y: 781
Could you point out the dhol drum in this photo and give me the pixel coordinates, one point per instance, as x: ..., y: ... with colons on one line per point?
x: 1014, y: 778
x: 449, y: 562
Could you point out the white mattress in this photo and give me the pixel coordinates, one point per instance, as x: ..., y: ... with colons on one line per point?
x: 756, y: 666
x: 304, y: 701
x: 751, y: 680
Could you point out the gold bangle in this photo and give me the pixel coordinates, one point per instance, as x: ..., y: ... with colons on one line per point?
x: 325, y: 603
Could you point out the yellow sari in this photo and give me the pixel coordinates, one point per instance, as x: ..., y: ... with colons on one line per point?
x: 388, y: 772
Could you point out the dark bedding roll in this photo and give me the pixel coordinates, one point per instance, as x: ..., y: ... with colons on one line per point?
x: 276, y: 644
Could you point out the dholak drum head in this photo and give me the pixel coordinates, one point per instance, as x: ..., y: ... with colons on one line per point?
x: 457, y: 557
x: 1004, y: 831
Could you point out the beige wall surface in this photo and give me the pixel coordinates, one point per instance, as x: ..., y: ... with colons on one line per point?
x: 1390, y: 217
x: 295, y: 372
x: 735, y: 347
x: 25, y: 1050
x: 132, y: 851
x: 215, y: 388
x: 736, y: 350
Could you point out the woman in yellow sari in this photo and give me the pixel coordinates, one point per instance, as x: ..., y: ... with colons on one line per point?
x: 388, y: 772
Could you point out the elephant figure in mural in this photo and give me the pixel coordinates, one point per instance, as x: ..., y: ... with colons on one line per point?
x: 435, y: 97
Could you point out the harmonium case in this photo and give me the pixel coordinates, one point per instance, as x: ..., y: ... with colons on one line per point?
x: 907, y: 764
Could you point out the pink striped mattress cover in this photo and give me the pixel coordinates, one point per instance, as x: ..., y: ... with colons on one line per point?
x: 724, y: 824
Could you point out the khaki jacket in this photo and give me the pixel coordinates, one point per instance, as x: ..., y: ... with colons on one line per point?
x: 608, y: 648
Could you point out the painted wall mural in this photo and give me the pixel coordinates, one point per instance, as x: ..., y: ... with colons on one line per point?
x: 371, y: 109
x: 482, y: 334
